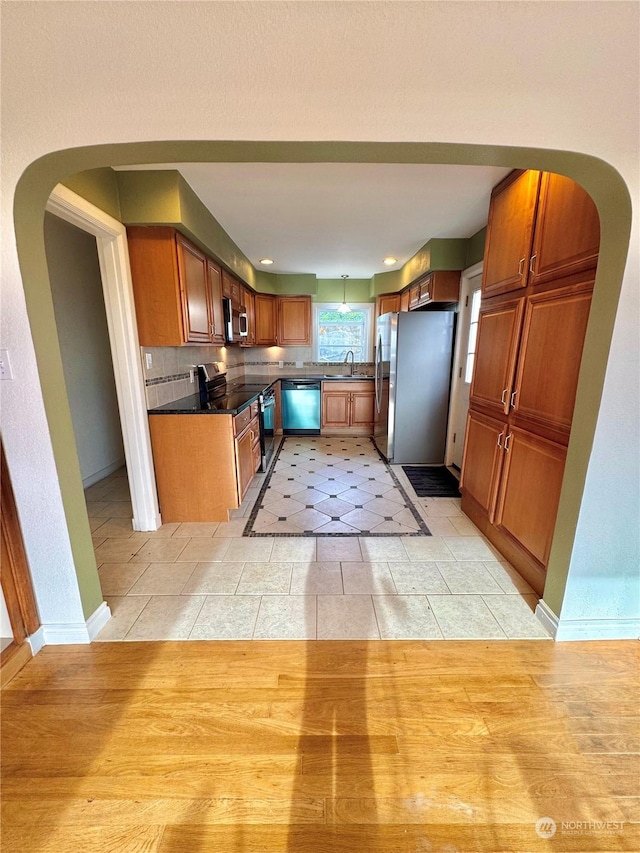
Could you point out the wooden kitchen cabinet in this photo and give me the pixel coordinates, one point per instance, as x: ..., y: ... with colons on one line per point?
x: 232, y: 289
x: 294, y: 321
x: 527, y: 362
x: 387, y: 303
x: 567, y: 232
x: 405, y: 298
x: 530, y: 491
x: 546, y: 380
x: 266, y: 320
x: 217, y: 313
x: 495, y: 359
x: 483, y: 444
x: 171, y: 288
x: 439, y: 286
x: 348, y: 406
x: 246, y: 445
x: 509, y: 233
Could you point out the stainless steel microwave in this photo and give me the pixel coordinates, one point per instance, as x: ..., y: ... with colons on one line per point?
x: 235, y: 322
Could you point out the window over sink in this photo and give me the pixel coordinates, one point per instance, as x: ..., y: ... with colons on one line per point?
x: 336, y: 333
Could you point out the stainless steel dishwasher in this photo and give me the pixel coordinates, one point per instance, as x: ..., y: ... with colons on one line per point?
x: 300, y: 406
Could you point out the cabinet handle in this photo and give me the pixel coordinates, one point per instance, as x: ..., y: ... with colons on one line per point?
x: 513, y: 399
x: 532, y: 261
x: 506, y: 442
x: 521, y: 265
x: 503, y: 398
x: 499, y: 439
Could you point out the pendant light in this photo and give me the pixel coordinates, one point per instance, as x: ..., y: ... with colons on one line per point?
x: 344, y: 308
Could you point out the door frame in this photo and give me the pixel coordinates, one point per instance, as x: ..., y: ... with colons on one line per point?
x: 117, y: 288
x: 469, y: 273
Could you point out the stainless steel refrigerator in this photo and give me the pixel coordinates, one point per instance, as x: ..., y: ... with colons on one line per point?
x: 412, y: 380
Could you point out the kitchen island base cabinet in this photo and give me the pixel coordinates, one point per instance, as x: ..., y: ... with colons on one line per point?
x: 195, y: 464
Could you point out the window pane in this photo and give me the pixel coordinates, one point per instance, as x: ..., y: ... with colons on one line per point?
x: 468, y: 374
x: 475, y: 306
x: 473, y: 334
x: 336, y: 333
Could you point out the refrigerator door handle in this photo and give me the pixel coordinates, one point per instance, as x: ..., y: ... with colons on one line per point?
x: 378, y: 378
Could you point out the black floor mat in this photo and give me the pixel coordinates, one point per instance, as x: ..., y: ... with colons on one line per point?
x: 432, y: 482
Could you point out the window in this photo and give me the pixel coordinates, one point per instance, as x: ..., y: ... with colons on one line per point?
x: 335, y: 333
x: 473, y: 335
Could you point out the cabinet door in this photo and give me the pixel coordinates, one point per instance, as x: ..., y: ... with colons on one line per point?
x: 386, y: 304
x: 245, y: 463
x: 231, y: 288
x: 335, y: 408
x: 555, y: 324
x: 567, y: 235
x: 294, y: 321
x: 362, y: 403
x: 509, y: 233
x: 217, y: 314
x: 405, y: 297
x: 445, y: 286
x: 496, y: 351
x: 266, y: 314
x: 194, y: 285
x: 425, y: 294
x: 530, y: 491
x: 482, y: 460
x: 414, y: 297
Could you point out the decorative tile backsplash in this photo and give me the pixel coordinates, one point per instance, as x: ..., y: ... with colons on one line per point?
x: 168, y: 378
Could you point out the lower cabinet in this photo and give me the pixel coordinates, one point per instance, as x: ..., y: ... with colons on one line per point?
x: 204, y: 464
x: 348, y: 406
x: 247, y: 452
x: 512, y: 490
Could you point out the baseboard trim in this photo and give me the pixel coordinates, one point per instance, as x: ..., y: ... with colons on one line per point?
x: 97, y: 620
x: 598, y: 629
x: 92, y: 479
x: 69, y: 633
x: 547, y: 617
x: 36, y: 641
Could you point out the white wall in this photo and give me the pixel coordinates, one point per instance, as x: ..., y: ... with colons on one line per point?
x: 528, y: 74
x: 76, y: 287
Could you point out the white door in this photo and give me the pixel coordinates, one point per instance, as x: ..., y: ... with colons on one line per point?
x: 463, y: 364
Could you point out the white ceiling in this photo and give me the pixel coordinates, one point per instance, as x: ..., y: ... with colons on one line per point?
x: 332, y: 219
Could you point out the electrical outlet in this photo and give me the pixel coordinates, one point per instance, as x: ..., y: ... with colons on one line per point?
x: 5, y: 365
x: 281, y: 364
x: 148, y: 360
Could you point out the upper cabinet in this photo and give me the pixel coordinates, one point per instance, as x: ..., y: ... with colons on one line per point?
x: 266, y: 320
x: 232, y: 289
x: 542, y: 227
x: 172, y: 287
x: 567, y: 234
x: 249, y: 304
x: 282, y: 320
x: 294, y: 321
x: 509, y: 233
x: 217, y: 314
x: 390, y: 302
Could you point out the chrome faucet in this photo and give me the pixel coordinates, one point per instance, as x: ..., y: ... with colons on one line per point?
x: 346, y: 359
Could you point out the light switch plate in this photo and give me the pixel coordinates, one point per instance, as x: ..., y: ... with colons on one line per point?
x: 148, y: 359
x: 5, y: 365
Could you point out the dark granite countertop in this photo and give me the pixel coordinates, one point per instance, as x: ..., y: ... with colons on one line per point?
x: 240, y: 395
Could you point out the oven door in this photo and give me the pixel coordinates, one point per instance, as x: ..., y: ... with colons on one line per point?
x: 267, y: 427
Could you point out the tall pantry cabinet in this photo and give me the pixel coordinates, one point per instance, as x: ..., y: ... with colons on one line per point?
x: 539, y: 268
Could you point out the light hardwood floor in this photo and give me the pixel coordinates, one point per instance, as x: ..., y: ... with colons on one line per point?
x: 380, y: 747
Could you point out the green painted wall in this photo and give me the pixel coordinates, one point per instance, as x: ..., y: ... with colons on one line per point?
x: 301, y: 284
x: 331, y: 290
x: 475, y: 248
x: 598, y: 178
x: 149, y: 198
x: 98, y: 186
x: 437, y: 254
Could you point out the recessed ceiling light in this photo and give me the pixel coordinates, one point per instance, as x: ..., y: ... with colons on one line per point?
x: 266, y: 261
x: 390, y: 261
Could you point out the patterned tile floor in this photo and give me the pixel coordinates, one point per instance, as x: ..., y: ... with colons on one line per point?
x: 209, y: 581
x: 326, y: 486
